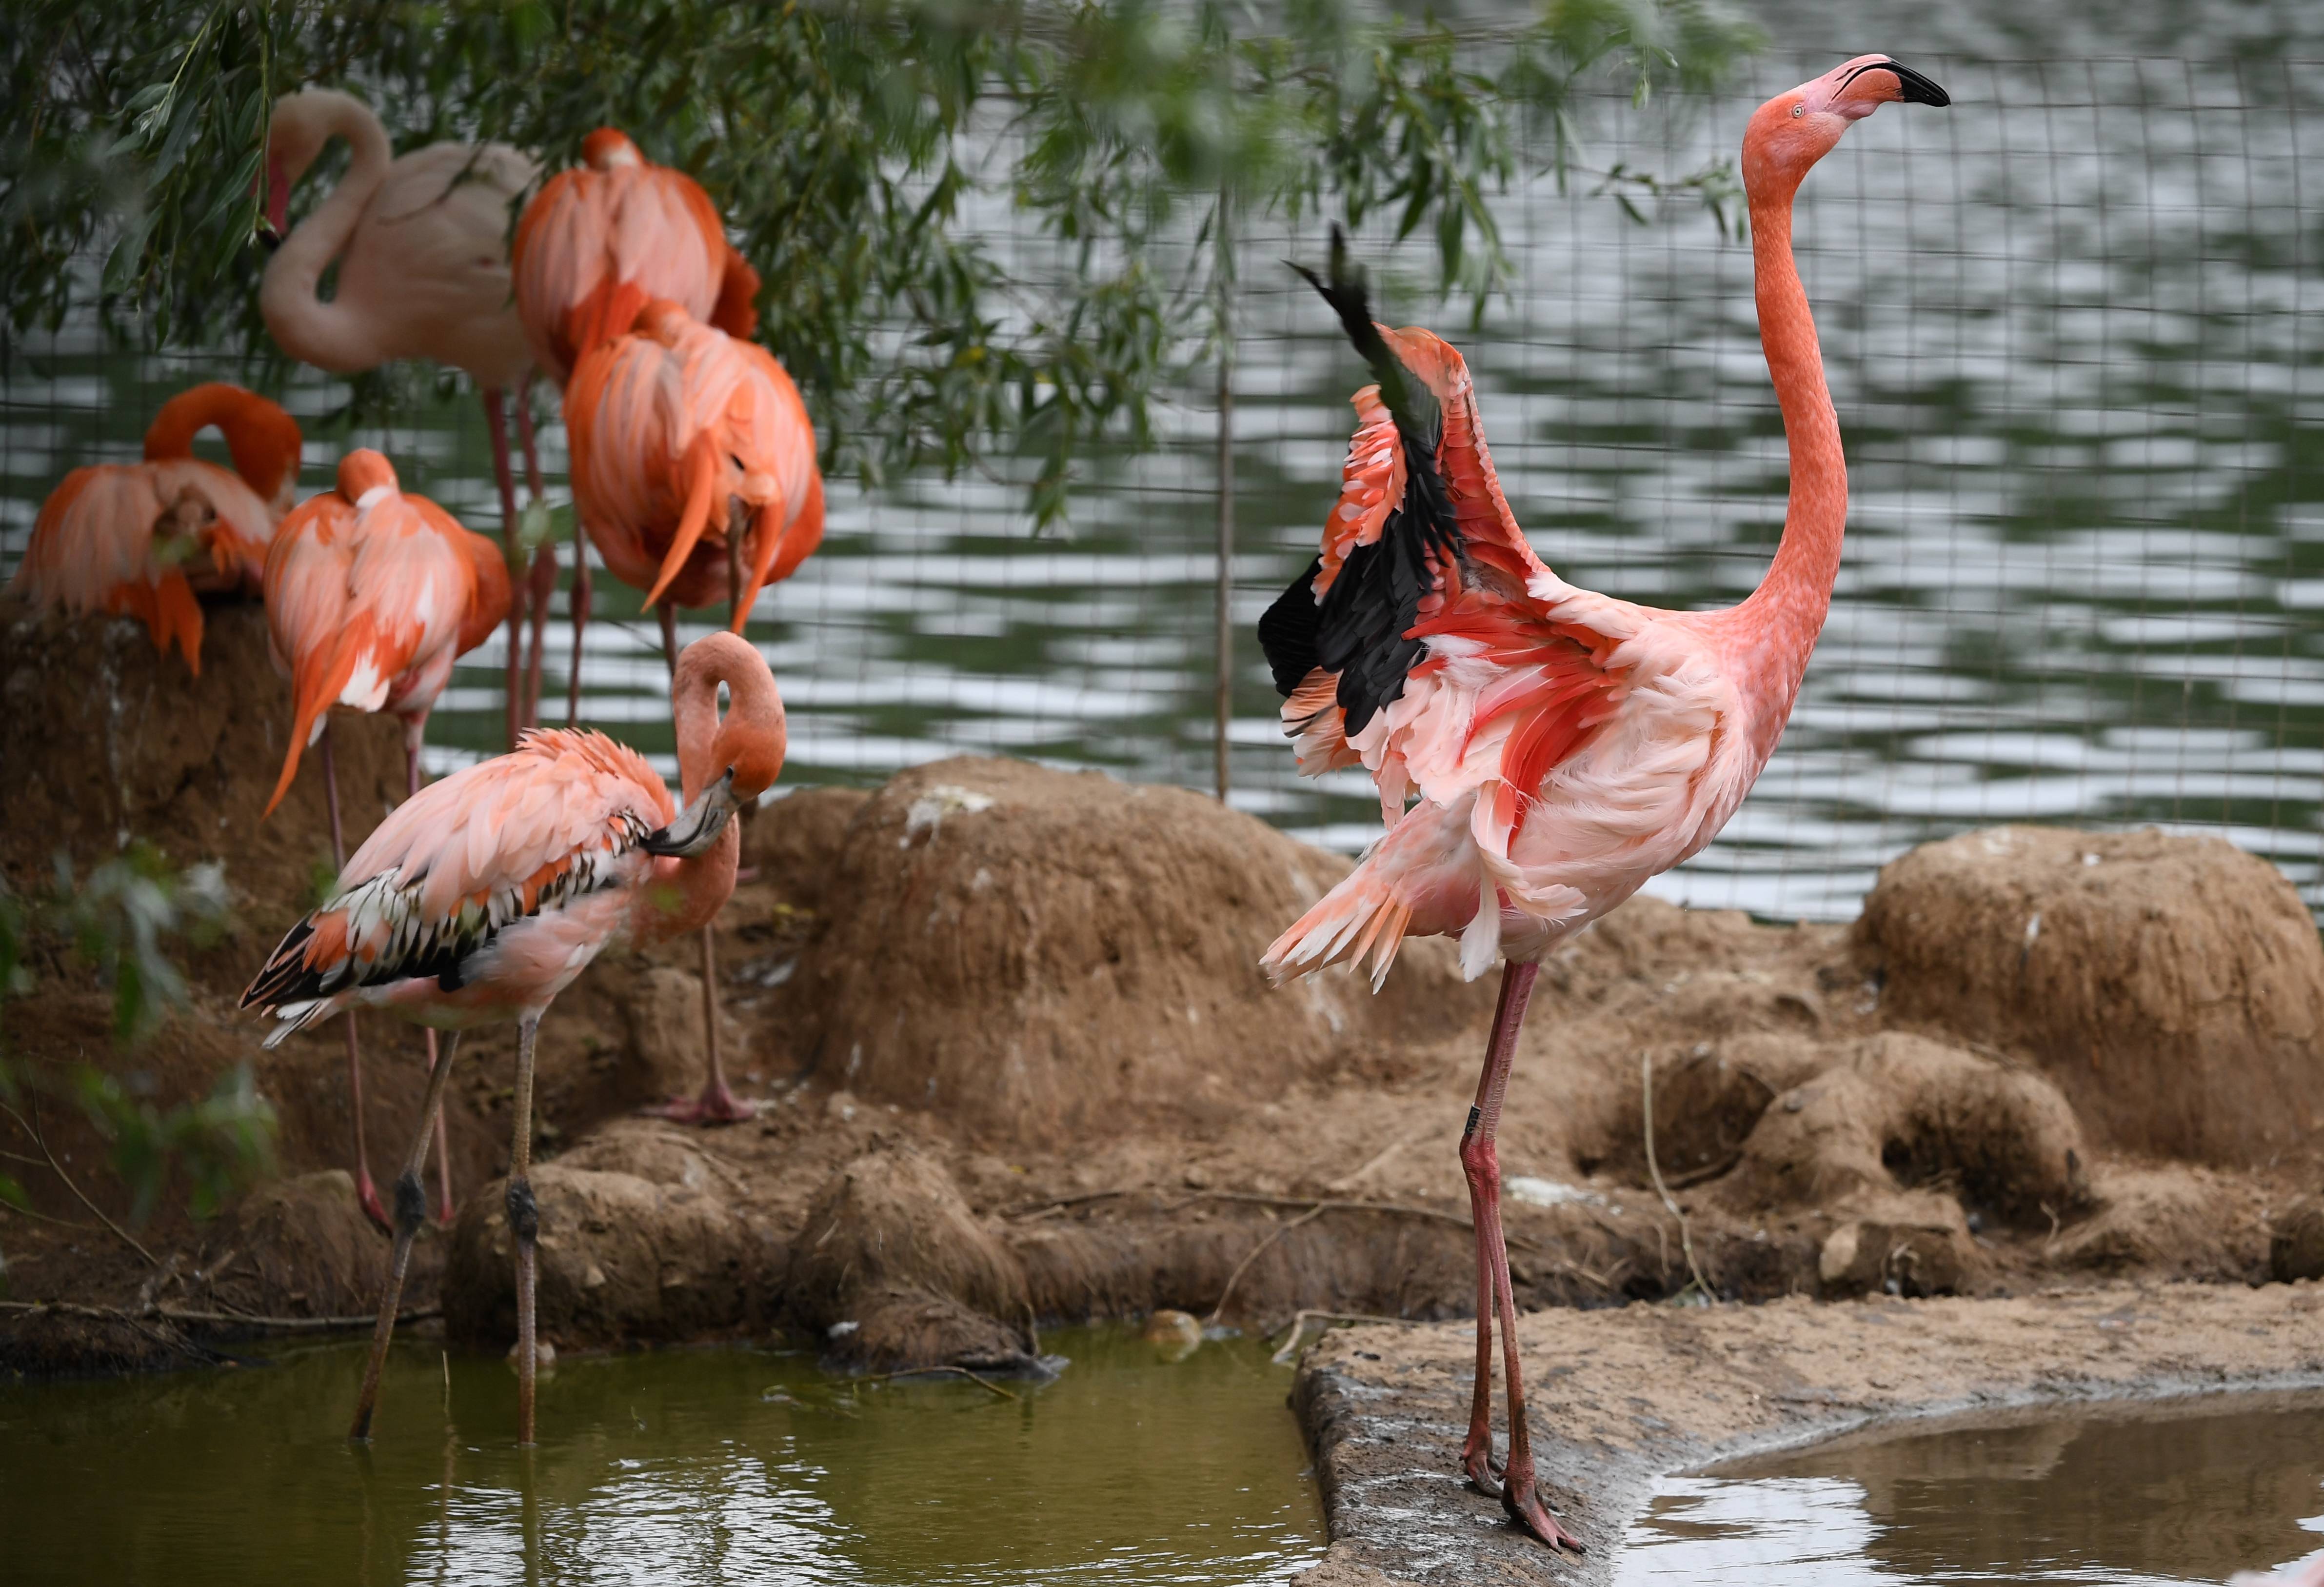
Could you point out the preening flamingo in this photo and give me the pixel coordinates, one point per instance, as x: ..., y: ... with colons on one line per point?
x: 144, y: 539
x: 484, y: 896
x: 370, y: 596
x: 1566, y: 746
x: 694, y: 473
x: 421, y: 243
x: 617, y: 219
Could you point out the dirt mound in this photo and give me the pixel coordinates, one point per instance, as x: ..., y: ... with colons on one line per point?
x: 794, y: 840
x: 1902, y: 1112
x: 2173, y: 987
x: 894, y: 1220
x: 2296, y: 1249
x: 102, y: 739
x: 307, y: 1250
x: 665, y: 1055
x: 1909, y: 1245
x: 644, y: 1238
x: 2173, y: 1222
x: 1040, y: 954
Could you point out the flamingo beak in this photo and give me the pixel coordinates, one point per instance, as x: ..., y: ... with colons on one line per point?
x: 697, y: 826
x: 1915, y: 89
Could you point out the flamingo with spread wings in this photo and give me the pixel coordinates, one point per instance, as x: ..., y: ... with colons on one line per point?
x: 370, y: 594
x: 694, y: 473
x: 489, y: 892
x: 1565, y: 746
x: 144, y: 539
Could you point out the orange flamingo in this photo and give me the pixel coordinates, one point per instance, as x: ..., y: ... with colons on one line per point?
x: 144, y: 539
x: 681, y: 435
x: 486, y: 894
x: 420, y: 243
x: 370, y: 594
x: 615, y: 220
x: 1566, y: 746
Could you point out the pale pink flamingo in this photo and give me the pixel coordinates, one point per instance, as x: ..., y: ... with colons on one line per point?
x: 617, y: 219
x: 1566, y: 746
x: 144, y: 539
x: 421, y: 246
x: 694, y: 473
x: 484, y: 896
x: 370, y: 594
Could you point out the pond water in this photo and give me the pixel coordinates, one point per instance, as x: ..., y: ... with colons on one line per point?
x: 2072, y: 329
x: 2185, y: 1493
x: 677, y: 1467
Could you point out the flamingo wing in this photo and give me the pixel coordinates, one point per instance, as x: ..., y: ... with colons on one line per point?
x: 558, y: 822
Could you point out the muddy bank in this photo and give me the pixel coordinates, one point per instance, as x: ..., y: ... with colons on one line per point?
x: 1016, y: 1066
x: 1621, y: 1398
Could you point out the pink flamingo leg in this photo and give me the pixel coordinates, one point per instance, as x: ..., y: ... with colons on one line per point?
x: 412, y: 730
x: 524, y: 1223
x: 366, y: 1192
x: 410, y: 1213
x: 1481, y: 1160
x: 579, y: 604
x: 496, y: 426
x: 1481, y: 1167
x: 717, y: 1103
x: 544, y: 558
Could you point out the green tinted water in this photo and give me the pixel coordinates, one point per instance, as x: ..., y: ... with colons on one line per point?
x: 693, y: 1466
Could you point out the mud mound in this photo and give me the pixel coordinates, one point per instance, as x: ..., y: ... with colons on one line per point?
x: 666, y: 1056
x: 2296, y: 1249
x: 102, y: 739
x: 794, y: 840
x: 2171, y: 1223
x: 896, y: 1328
x: 1040, y: 954
x: 891, y: 1224
x: 642, y: 1239
x: 307, y: 1250
x: 1901, y: 1113
x: 1909, y: 1245
x: 2173, y: 987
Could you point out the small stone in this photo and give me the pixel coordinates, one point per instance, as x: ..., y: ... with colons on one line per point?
x: 1174, y: 1334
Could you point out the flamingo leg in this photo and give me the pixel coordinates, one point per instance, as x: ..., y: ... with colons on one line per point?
x: 1480, y: 1161
x: 578, y: 603
x: 496, y: 426
x: 1481, y: 1167
x: 544, y: 556
x: 524, y: 1223
x: 412, y: 731
x: 366, y: 1192
x: 411, y: 1212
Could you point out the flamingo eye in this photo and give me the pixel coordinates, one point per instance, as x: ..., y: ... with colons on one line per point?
x: 1799, y: 110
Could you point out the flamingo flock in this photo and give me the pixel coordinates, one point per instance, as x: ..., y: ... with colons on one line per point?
x: 1540, y: 750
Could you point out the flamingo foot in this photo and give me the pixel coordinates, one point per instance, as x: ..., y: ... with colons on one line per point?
x: 1522, y: 1499
x: 716, y: 1105
x: 447, y: 1214
x: 367, y: 1193
x: 1484, y: 1468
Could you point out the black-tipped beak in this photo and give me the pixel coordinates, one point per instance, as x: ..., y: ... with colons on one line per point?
x: 1917, y: 89
x: 268, y: 237
x: 700, y: 824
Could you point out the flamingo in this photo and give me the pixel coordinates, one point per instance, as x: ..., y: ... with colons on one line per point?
x: 681, y: 434
x: 142, y: 540
x: 1566, y: 746
x: 421, y: 247
x: 371, y: 594
x: 487, y: 893
x: 618, y: 219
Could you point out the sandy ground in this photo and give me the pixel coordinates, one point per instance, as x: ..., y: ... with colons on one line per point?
x: 1620, y: 1398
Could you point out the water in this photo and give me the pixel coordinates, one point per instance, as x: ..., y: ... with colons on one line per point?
x: 678, y: 1467
x: 2188, y: 1493
x: 2071, y: 330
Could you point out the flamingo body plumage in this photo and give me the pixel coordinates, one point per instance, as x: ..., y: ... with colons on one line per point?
x: 144, y: 539
x: 1559, y: 748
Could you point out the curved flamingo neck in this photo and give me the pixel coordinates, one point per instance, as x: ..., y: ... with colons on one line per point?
x: 329, y: 335
x: 263, y: 439
x: 1787, y: 611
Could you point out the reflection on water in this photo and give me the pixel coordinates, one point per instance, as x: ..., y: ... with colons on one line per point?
x: 693, y: 1466
x: 2188, y: 1493
x: 2069, y: 330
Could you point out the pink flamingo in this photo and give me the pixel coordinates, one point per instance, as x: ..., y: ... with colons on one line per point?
x: 370, y: 594
x: 144, y: 539
x: 619, y: 220
x: 1566, y: 746
x: 421, y: 247
x: 487, y: 893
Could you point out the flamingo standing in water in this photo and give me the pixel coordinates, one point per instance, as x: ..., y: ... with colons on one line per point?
x: 370, y: 596
x: 1566, y: 746
x: 144, y: 539
x: 694, y: 473
x: 618, y: 219
x: 483, y: 896
x: 422, y: 251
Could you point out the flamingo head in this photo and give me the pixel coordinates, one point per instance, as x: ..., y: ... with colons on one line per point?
x: 609, y: 148
x: 365, y: 478
x: 1793, y: 129
x: 728, y: 763
x: 295, y: 134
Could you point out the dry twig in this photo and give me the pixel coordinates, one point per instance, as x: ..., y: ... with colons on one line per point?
x: 1274, y: 1234
x: 1299, y: 1319
x: 1670, y: 1202
x: 982, y: 1382
x: 32, y: 1128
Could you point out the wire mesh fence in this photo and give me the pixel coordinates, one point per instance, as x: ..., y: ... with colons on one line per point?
x: 2067, y: 328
